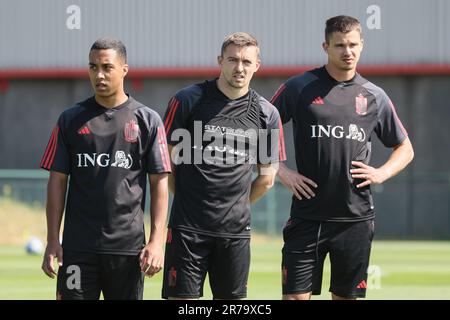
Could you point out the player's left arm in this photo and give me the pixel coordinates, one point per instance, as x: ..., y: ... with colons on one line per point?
x: 152, y: 256
x: 264, y: 181
x: 401, y: 156
x: 272, y: 142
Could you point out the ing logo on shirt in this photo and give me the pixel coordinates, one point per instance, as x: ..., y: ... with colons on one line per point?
x: 338, y: 132
x: 121, y: 160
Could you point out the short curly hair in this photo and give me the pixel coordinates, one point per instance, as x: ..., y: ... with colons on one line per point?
x: 111, y: 43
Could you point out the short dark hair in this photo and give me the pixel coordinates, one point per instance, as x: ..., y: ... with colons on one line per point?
x: 240, y: 39
x: 111, y: 43
x: 342, y: 24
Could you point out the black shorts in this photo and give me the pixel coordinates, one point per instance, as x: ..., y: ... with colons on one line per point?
x: 190, y: 256
x: 84, y: 275
x: 306, y: 244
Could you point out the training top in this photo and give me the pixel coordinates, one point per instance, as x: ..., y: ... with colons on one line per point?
x: 332, y: 124
x: 212, y: 188
x: 107, y: 154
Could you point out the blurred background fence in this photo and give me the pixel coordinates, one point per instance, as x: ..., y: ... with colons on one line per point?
x: 272, y: 211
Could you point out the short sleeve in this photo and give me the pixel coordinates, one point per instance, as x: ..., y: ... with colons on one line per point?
x: 285, y: 100
x: 56, y: 156
x: 157, y: 157
x: 389, y: 128
x: 271, y: 147
x: 175, y: 118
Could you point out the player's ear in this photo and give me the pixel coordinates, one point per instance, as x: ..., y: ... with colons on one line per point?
x: 325, y: 46
x: 362, y: 43
x: 258, y: 64
x: 125, y: 69
x: 219, y: 60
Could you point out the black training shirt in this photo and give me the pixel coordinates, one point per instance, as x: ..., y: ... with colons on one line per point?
x: 333, y: 123
x: 107, y: 153
x: 212, y: 197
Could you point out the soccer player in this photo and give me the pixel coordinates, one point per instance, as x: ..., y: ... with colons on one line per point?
x: 209, y: 226
x: 334, y: 112
x: 107, y: 145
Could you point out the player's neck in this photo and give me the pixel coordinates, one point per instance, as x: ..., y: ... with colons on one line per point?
x: 111, y: 101
x: 339, y: 74
x: 231, y: 92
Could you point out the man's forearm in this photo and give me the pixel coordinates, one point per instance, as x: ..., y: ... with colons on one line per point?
x: 159, y: 206
x: 282, y: 170
x: 260, y: 186
x: 263, y: 182
x: 56, y: 196
x: 399, y: 159
x: 171, y: 180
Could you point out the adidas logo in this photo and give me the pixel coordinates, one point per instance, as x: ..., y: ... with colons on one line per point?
x: 318, y: 100
x: 362, y: 285
x: 84, y: 130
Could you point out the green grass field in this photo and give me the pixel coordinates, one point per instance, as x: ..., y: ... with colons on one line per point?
x: 406, y: 270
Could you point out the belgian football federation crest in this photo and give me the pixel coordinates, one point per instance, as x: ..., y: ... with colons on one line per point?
x: 131, y: 131
x: 361, y: 105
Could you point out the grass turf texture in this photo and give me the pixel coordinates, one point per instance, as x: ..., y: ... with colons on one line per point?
x: 409, y: 270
